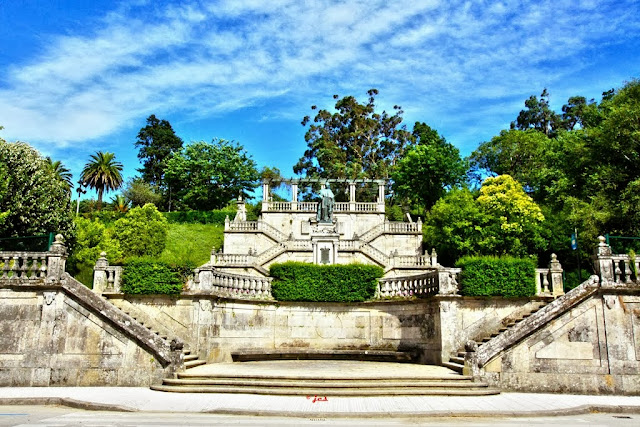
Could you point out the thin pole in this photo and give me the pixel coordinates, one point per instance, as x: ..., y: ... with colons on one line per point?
x: 578, y: 255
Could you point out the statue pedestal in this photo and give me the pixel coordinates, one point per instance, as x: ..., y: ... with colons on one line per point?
x: 324, y: 239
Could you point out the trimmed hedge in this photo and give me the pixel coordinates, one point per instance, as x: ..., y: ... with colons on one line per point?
x: 201, y: 217
x: 299, y: 281
x: 144, y: 277
x: 493, y: 276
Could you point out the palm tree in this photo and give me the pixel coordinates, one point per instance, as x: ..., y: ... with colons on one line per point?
x: 102, y: 173
x: 60, y: 171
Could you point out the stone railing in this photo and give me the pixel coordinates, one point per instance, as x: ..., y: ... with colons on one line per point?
x: 421, y: 285
x: 343, y: 207
x: 549, y: 280
x: 255, y: 226
x: 618, y: 268
x: 209, y: 280
x: 232, y: 259
x: 106, y: 278
x: 33, y: 266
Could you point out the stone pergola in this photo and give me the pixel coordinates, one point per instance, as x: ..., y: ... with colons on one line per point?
x: 351, y: 206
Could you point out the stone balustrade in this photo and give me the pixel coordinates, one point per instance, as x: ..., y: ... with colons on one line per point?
x: 32, y: 266
x: 616, y: 268
x: 549, y: 280
x: 209, y: 280
x: 106, y: 278
x: 421, y: 285
x: 340, y: 207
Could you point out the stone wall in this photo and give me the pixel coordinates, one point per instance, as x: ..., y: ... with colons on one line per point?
x: 585, y: 342
x: 50, y: 339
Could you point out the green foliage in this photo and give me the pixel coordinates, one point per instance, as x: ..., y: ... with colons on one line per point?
x: 33, y: 200
x: 200, y: 217
x: 500, y: 220
x: 538, y: 115
x: 60, y: 171
x: 93, y: 237
x: 189, y: 245
x: 106, y: 217
x: 297, y: 281
x: 142, y: 231
x: 148, y: 277
x: 157, y: 143
x: 139, y: 193
x: 206, y: 176
x: 354, y: 142
x: 491, y: 276
x: 102, y: 173
x: 428, y: 168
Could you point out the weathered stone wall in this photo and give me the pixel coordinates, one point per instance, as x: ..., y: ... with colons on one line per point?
x: 48, y: 338
x: 593, y: 347
x: 216, y: 327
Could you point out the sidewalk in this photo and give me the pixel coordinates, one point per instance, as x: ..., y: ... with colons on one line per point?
x: 143, y: 399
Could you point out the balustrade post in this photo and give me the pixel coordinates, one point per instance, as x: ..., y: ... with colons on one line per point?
x: 557, y: 287
x: 604, y: 260
x: 56, y: 259
x: 434, y: 258
x: 100, y: 273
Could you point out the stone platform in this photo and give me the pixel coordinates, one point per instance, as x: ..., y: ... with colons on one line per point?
x: 325, y: 378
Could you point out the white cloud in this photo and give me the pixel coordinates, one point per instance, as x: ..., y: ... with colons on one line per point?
x: 217, y: 57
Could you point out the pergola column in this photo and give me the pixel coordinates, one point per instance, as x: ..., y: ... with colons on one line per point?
x: 380, y: 196
x: 294, y: 196
x: 265, y: 196
x: 352, y: 196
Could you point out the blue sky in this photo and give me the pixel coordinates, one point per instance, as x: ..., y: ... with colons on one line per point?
x: 83, y: 75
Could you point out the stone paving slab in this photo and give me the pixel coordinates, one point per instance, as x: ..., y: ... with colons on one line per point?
x: 144, y: 399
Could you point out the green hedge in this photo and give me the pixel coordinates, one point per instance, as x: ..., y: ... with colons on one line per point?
x: 144, y: 276
x: 200, y: 217
x: 492, y: 276
x: 298, y: 281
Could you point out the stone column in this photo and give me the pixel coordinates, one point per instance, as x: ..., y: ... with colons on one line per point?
x: 352, y: 196
x: 381, y: 196
x: 557, y: 288
x: 294, y: 196
x: 603, y: 260
x: 100, y: 274
x: 265, y: 196
x: 56, y: 259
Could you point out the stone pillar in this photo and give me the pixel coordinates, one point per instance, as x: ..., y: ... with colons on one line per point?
x: 557, y: 288
x: 603, y: 260
x: 56, y: 259
x: 381, y: 196
x: 294, y: 196
x: 265, y: 196
x: 100, y: 274
x: 352, y: 196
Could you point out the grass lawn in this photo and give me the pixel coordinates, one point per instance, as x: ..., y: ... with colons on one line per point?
x: 191, y: 244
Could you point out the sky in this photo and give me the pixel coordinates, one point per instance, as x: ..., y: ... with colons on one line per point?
x: 80, y: 76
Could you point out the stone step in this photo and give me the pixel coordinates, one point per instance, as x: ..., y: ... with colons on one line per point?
x: 453, y: 366
x: 194, y: 363
x: 457, y: 359
x: 311, y: 354
x: 190, y: 357
x: 321, y: 383
x: 384, y: 391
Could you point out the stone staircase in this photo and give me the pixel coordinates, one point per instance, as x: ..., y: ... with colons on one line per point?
x: 456, y: 363
x: 190, y: 360
x: 315, y: 378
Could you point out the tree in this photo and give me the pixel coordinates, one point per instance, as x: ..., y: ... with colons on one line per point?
x: 538, y: 115
x: 102, y: 173
x: 353, y: 142
x: 208, y: 176
x: 32, y: 199
x: 157, y: 142
x: 428, y: 168
x: 120, y: 204
x: 499, y: 220
x: 142, y: 231
x: 139, y: 193
x: 63, y: 173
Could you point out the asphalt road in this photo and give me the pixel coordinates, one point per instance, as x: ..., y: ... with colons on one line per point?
x: 56, y: 416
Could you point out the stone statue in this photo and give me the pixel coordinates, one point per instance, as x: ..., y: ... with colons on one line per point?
x: 325, y: 207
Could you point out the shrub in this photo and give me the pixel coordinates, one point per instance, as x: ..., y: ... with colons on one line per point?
x: 142, y: 231
x: 492, y: 276
x: 148, y: 276
x: 202, y: 217
x: 298, y: 281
